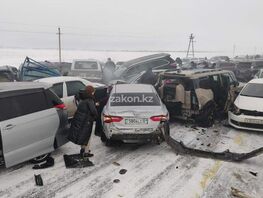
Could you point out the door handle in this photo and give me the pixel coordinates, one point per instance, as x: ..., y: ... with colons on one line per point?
x: 9, y: 126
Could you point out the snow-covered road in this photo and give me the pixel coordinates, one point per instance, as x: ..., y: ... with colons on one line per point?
x: 152, y: 170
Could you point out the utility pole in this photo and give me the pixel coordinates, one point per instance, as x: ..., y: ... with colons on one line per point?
x: 59, y: 45
x: 191, y: 44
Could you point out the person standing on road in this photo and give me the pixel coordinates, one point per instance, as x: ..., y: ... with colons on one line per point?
x: 108, y: 71
x: 82, y: 122
x: 148, y: 77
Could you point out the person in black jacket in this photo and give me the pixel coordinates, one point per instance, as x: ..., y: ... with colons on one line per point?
x: 82, y: 122
x: 148, y: 77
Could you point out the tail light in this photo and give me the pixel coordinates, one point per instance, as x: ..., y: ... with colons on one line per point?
x: 110, y: 119
x: 167, y: 81
x: 159, y: 118
x: 60, y: 106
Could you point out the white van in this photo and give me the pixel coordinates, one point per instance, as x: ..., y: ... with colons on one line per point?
x: 33, y: 122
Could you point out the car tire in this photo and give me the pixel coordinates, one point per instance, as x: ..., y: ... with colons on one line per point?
x: 40, y: 158
x: 103, y: 137
x: 167, y: 128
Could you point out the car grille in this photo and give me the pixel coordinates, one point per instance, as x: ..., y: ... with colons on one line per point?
x: 247, y: 125
x: 251, y: 113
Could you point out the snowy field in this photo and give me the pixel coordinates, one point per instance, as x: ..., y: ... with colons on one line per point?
x: 152, y: 170
x: 15, y: 57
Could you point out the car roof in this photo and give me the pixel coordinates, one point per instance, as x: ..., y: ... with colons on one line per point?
x: 196, y: 73
x: 90, y: 59
x: 133, y: 88
x: 144, y: 58
x: 13, y: 86
x: 257, y: 80
x: 58, y: 79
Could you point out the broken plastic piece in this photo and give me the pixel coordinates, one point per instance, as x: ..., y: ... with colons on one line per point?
x: 76, y: 161
x: 116, y: 163
x: 38, y: 180
x: 48, y: 163
x: 116, y: 181
x: 253, y: 173
x: 123, y: 171
x: 226, y: 155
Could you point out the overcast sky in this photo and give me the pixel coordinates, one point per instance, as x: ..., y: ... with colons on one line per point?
x: 218, y: 25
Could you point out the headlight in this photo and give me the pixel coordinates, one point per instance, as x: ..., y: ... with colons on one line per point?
x: 236, y: 110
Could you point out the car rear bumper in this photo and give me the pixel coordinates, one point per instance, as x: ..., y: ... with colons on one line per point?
x: 143, y: 137
x: 139, y: 135
x: 253, y: 123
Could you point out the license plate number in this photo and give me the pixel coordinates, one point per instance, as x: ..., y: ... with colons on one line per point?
x: 254, y: 121
x: 136, y: 121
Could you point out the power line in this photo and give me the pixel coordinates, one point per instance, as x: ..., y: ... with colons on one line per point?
x: 71, y: 34
x: 23, y: 31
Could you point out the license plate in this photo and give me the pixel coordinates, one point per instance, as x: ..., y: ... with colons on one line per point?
x: 254, y: 121
x: 136, y: 121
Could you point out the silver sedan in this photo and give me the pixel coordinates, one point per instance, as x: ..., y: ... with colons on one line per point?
x: 134, y: 113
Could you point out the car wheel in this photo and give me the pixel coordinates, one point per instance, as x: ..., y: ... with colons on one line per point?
x: 40, y: 158
x: 103, y: 137
x: 167, y: 128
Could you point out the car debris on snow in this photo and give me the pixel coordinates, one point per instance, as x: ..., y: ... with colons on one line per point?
x: 38, y: 180
x: 46, y: 164
x: 253, y: 173
x: 226, y: 155
x: 238, y: 193
x: 123, y: 171
x: 116, y: 163
x: 116, y: 181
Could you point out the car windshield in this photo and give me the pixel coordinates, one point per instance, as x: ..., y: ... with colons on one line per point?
x: 134, y: 99
x: 253, y: 90
x: 86, y: 65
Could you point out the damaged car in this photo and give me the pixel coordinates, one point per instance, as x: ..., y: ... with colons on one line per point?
x: 247, y: 112
x: 31, y: 70
x: 133, y: 113
x: 133, y: 67
x: 197, y: 94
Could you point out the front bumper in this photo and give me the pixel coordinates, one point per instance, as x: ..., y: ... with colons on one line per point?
x: 253, y: 123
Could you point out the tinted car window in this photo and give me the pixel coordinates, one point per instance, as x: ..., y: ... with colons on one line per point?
x: 58, y: 89
x: 86, y: 65
x: 227, y: 79
x: 52, y: 98
x: 22, y: 104
x: 134, y: 99
x: 204, y: 83
x: 74, y: 87
x: 8, y: 109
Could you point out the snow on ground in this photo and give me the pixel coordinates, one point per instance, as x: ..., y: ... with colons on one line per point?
x: 153, y: 170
